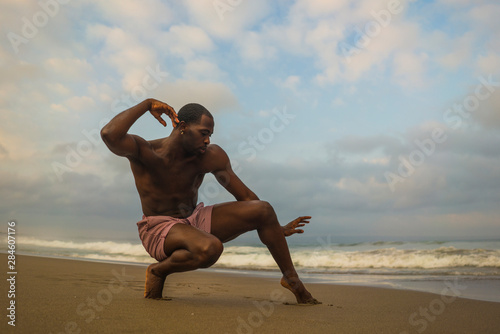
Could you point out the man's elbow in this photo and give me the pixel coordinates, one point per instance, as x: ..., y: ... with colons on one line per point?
x: 106, y: 135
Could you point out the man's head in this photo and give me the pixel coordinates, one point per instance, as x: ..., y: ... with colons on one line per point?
x: 196, y: 125
x: 192, y: 113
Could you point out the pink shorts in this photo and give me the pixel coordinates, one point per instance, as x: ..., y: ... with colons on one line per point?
x: 154, y: 229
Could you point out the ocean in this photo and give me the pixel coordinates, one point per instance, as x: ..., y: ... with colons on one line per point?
x: 417, y: 265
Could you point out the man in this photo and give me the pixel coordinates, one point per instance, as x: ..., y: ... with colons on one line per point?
x: 168, y: 172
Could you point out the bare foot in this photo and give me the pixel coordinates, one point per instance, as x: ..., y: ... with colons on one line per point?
x: 299, y: 290
x: 154, y: 284
x: 291, y: 227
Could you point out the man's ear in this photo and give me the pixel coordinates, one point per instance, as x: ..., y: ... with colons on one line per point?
x: 182, y: 126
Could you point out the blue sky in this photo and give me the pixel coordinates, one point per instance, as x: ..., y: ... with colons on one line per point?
x: 381, y: 119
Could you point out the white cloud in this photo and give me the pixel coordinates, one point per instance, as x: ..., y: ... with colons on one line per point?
x: 318, y: 8
x: 228, y: 21
x: 254, y: 47
x: 80, y: 103
x: 185, y: 41
x: 488, y: 64
x: 87, y: 64
x: 125, y: 53
x: 486, y: 16
x: 458, y: 51
x: 291, y: 82
x: 458, y: 3
x: 59, y: 89
x: 216, y: 97
x: 101, y: 91
x: 488, y: 113
x: 409, y: 69
x: 68, y: 67
x: 58, y: 108
x: 136, y: 16
x: 201, y: 69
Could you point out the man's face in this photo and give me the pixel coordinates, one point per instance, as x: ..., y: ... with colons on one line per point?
x: 197, y: 136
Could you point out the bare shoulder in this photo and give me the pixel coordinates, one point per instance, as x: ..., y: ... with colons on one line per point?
x: 216, y: 150
x: 215, y: 158
x: 144, y: 149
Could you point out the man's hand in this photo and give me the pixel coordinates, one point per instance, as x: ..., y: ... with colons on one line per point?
x: 291, y: 227
x: 158, y: 108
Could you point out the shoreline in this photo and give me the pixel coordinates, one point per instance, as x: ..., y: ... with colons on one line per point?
x: 478, y: 288
x: 68, y: 296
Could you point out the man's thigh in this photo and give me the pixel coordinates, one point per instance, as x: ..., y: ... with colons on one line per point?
x: 187, y: 237
x: 231, y: 219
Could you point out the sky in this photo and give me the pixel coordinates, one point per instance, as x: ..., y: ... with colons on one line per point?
x: 379, y: 118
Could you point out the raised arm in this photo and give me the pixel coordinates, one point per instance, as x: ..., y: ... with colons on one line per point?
x: 115, y: 133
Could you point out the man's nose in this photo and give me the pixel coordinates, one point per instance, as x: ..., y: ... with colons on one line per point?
x: 207, y: 141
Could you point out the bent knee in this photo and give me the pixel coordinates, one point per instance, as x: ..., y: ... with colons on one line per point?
x: 263, y: 210
x: 209, y: 252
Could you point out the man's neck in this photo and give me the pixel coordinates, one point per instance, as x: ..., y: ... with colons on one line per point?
x: 172, y: 148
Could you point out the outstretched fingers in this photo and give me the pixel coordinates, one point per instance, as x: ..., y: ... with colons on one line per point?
x: 293, y: 226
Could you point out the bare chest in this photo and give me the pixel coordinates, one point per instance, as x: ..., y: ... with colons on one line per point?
x: 170, y: 176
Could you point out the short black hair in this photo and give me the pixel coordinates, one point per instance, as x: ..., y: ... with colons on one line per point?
x: 192, y: 112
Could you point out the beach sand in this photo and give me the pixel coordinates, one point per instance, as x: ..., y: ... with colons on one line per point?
x: 69, y: 296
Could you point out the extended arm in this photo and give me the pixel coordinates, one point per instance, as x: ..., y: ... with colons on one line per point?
x: 229, y: 180
x: 115, y: 133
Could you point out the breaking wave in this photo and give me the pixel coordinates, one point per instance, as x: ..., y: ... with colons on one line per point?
x: 369, y: 258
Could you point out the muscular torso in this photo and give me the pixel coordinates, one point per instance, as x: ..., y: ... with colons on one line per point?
x: 167, y: 186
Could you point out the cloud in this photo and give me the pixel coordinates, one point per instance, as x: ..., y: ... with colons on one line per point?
x: 488, y: 113
x: 488, y: 64
x: 185, y: 41
x: 68, y: 68
x: 230, y: 19
x: 410, y: 68
x: 459, y: 51
x: 241, y: 63
x: 366, y: 144
x: 318, y: 8
x: 201, y: 69
x: 215, y: 96
x: 134, y: 15
x: 80, y: 103
x: 3, y: 151
x: 291, y: 82
x: 123, y: 52
x: 486, y: 15
x: 255, y: 48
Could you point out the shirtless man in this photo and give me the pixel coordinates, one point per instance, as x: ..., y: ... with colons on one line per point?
x: 168, y: 172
